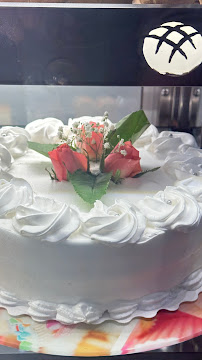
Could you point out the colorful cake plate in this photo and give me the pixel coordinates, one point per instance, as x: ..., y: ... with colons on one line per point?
x: 109, y: 338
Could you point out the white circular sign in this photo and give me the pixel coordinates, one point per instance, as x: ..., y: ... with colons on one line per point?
x: 173, y: 48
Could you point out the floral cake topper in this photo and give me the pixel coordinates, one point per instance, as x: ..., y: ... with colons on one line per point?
x: 93, y: 153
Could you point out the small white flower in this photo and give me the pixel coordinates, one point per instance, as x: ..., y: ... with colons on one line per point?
x: 96, y: 130
x: 112, y: 127
x: 87, y: 127
x: 88, y: 134
x: 106, y: 114
x: 93, y: 142
x: 121, y: 142
x: 101, y: 130
x: 69, y: 141
x: 123, y: 152
x: 106, y: 124
x: 79, y: 131
x: 76, y: 124
x: 107, y: 145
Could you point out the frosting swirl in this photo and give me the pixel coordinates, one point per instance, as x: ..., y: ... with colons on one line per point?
x: 13, y: 192
x: 187, y: 163
x: 169, y: 143
x: 148, y: 136
x: 47, y: 219
x: 172, y: 208
x: 117, y: 224
x: 5, y: 158
x: 44, y: 131
x: 194, y: 186
x: 14, y: 139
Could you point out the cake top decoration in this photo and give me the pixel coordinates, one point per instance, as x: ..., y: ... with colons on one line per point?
x: 92, y: 151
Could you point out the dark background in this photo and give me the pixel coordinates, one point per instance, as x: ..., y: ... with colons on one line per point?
x: 86, y: 46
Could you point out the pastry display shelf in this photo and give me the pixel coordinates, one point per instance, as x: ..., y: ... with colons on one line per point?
x: 106, y: 339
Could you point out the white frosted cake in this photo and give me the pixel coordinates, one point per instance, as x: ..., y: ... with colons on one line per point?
x: 135, y: 251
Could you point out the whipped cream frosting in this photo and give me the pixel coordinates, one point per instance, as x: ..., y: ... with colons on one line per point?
x: 14, y: 139
x: 187, y: 162
x: 44, y: 131
x: 13, y: 192
x: 172, y: 208
x: 194, y: 186
x: 169, y: 143
x: 148, y: 136
x: 121, y: 311
x: 5, y: 158
x: 46, y: 219
x: 120, y: 223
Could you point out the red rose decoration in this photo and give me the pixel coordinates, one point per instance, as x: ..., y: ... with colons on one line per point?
x: 93, y: 145
x: 64, y: 158
x: 124, y: 158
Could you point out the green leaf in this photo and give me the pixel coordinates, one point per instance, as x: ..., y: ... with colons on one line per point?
x: 88, y: 186
x: 131, y: 127
x: 42, y: 148
x: 145, y: 172
x: 116, y: 178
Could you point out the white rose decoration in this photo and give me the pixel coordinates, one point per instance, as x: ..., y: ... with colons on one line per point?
x: 193, y: 185
x: 5, y: 158
x: 14, y: 139
x: 148, y: 136
x: 13, y: 193
x: 118, y: 224
x: 169, y: 143
x: 172, y: 208
x: 44, y: 131
x: 188, y: 162
x: 46, y: 219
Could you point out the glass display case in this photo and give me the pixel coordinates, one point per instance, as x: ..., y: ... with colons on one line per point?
x: 67, y: 60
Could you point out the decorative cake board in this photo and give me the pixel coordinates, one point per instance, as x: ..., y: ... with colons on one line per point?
x: 109, y: 338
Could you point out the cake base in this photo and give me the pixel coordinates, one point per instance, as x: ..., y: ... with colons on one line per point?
x: 120, y: 311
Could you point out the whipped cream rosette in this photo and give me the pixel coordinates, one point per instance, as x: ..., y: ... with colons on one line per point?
x: 118, y: 224
x: 172, y: 208
x: 169, y: 143
x: 147, y: 137
x: 5, y: 158
x: 13, y: 193
x: 14, y: 139
x: 45, y: 131
x: 193, y: 185
x: 187, y: 162
x: 46, y: 219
